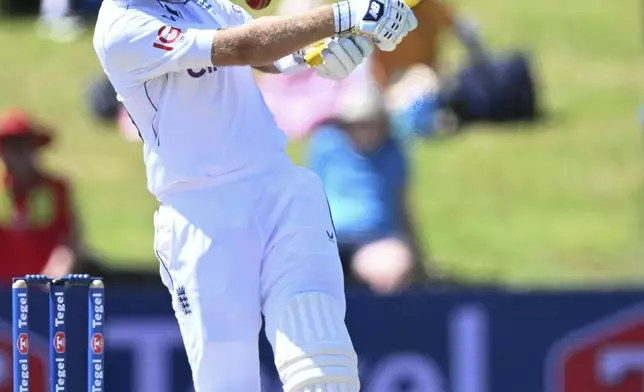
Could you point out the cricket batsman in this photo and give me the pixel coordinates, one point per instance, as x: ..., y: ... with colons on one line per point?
x: 241, y: 231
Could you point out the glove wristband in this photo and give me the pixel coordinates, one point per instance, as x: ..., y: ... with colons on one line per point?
x: 292, y: 63
x: 345, y: 17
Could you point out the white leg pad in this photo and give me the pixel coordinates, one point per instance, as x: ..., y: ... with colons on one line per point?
x: 313, y: 350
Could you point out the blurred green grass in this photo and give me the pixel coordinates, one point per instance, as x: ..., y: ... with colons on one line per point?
x: 557, y: 203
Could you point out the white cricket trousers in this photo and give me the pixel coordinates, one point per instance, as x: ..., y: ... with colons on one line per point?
x: 261, y: 244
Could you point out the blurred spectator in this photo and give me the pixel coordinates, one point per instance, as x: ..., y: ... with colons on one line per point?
x: 487, y: 88
x: 365, y: 173
x: 301, y: 100
x: 57, y: 22
x: 414, y: 107
x: 38, y: 233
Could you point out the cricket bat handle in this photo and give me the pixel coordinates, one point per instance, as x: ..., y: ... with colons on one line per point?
x: 313, y: 56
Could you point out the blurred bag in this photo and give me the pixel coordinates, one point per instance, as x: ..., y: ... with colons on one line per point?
x: 102, y: 101
x: 502, y: 90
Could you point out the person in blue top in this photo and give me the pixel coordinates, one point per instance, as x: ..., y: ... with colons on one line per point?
x: 365, y: 173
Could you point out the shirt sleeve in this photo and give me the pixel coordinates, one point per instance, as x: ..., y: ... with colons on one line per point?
x: 145, y: 47
x: 243, y: 16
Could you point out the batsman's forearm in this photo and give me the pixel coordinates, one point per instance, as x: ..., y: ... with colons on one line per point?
x: 268, y: 69
x: 268, y: 39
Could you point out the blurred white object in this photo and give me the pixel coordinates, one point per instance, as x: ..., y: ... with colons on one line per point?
x: 407, y: 87
x: 292, y: 7
x: 56, y: 23
x: 384, y: 264
x: 412, y: 101
x: 361, y: 103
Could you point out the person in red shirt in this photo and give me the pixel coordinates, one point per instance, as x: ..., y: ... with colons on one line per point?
x: 38, y: 234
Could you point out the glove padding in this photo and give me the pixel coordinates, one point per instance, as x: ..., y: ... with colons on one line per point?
x: 342, y: 55
x: 387, y: 22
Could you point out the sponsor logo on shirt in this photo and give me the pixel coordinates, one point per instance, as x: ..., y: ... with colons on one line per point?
x: 167, y: 37
x: 197, y: 73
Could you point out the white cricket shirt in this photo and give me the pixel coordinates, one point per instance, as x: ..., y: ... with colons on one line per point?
x: 200, y: 124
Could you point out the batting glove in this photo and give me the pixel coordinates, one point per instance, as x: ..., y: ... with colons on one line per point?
x: 342, y: 55
x: 387, y: 22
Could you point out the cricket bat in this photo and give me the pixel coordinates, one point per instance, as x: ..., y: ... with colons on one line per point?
x: 313, y: 56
